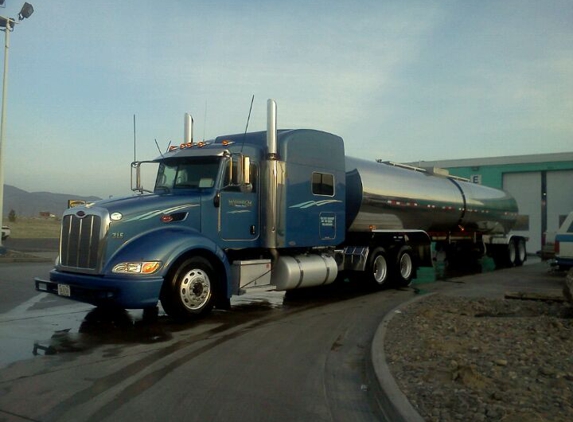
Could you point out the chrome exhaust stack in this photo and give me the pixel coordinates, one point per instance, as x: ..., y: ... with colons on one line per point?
x: 188, y: 129
x: 271, y: 181
x: 272, y: 142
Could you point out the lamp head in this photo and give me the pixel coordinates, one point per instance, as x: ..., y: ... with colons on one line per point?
x: 26, y: 11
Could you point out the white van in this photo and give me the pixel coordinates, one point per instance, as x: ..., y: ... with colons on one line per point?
x: 5, y: 232
x: 564, y: 244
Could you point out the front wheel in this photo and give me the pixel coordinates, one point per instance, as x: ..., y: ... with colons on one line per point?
x: 189, y: 291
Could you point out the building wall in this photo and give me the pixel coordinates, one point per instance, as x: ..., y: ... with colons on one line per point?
x: 559, y: 197
x: 492, y: 175
x: 526, y: 187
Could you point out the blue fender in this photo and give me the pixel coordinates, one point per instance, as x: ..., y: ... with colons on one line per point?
x: 167, y: 245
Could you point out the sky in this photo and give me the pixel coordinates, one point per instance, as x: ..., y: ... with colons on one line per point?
x: 399, y: 80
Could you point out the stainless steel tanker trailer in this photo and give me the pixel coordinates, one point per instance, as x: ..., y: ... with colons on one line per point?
x: 279, y: 208
x: 407, y: 208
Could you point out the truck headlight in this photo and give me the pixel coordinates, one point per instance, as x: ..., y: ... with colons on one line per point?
x: 145, y: 267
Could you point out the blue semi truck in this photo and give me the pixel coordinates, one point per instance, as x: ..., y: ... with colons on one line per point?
x: 279, y: 208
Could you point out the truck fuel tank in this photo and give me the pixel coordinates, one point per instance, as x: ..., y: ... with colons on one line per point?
x: 292, y: 272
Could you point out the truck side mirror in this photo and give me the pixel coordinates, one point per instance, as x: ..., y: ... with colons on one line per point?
x: 246, y: 186
x: 229, y: 175
x: 136, y: 176
x: 238, y: 173
x: 135, y: 167
x: 246, y: 169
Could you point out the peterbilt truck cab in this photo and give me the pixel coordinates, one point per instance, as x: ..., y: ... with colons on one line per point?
x: 215, y: 223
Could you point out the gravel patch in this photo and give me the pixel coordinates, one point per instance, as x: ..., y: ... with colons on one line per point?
x: 466, y: 359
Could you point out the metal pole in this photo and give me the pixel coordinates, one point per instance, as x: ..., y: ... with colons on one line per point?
x: 3, y: 124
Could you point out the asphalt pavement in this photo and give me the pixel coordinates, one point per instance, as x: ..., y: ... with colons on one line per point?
x: 533, y: 277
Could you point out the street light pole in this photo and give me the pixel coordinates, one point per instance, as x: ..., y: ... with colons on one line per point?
x: 8, y: 25
x: 3, y: 124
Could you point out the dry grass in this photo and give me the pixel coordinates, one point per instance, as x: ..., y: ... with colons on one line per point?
x: 30, y: 228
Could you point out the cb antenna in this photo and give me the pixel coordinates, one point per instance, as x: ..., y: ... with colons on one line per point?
x: 134, y: 141
x: 250, y: 110
x: 159, y: 149
x: 248, y: 120
x: 205, y: 120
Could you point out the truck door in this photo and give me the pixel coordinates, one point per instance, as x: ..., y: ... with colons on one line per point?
x: 239, y: 204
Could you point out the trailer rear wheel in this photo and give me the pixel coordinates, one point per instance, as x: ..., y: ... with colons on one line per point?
x: 506, y: 255
x: 405, y: 267
x: 521, y: 252
x: 511, y: 253
x: 190, y: 290
x: 379, y: 269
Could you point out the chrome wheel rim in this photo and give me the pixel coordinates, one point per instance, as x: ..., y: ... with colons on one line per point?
x: 195, y: 289
x: 512, y: 253
x: 521, y: 250
x: 406, y: 266
x: 380, y: 269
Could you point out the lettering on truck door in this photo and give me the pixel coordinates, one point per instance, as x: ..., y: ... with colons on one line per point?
x: 239, y: 210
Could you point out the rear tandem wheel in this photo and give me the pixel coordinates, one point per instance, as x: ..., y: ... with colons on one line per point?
x: 405, y: 270
x: 378, y: 268
x: 513, y: 254
x: 521, y: 252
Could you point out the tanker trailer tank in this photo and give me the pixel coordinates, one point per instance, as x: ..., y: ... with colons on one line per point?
x: 487, y: 210
x: 392, y: 198
x: 388, y: 197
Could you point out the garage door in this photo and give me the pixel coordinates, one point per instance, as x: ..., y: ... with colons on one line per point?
x: 559, y: 197
x: 526, y: 189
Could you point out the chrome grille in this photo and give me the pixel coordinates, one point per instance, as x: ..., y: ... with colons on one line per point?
x: 80, y: 241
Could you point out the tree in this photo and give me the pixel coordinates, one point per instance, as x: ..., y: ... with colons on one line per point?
x: 12, y: 216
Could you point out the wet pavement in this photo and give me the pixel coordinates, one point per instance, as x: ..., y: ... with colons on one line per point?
x: 46, y: 326
x: 94, y: 365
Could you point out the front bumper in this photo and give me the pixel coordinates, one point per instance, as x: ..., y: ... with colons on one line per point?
x: 564, y: 262
x: 124, y: 292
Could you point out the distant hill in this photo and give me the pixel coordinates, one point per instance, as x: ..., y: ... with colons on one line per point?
x: 31, y: 204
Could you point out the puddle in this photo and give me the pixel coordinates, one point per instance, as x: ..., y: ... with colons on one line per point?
x: 102, y: 327
x: 258, y: 300
x: 81, y: 328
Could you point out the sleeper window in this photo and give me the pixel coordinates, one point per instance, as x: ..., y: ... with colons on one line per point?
x: 323, y: 184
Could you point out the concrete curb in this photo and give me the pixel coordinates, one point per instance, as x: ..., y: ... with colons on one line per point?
x: 395, y: 404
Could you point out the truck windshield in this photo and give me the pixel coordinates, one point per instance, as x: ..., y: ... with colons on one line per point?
x: 187, y: 173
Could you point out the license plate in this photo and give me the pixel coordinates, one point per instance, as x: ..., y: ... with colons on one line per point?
x: 64, y: 290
